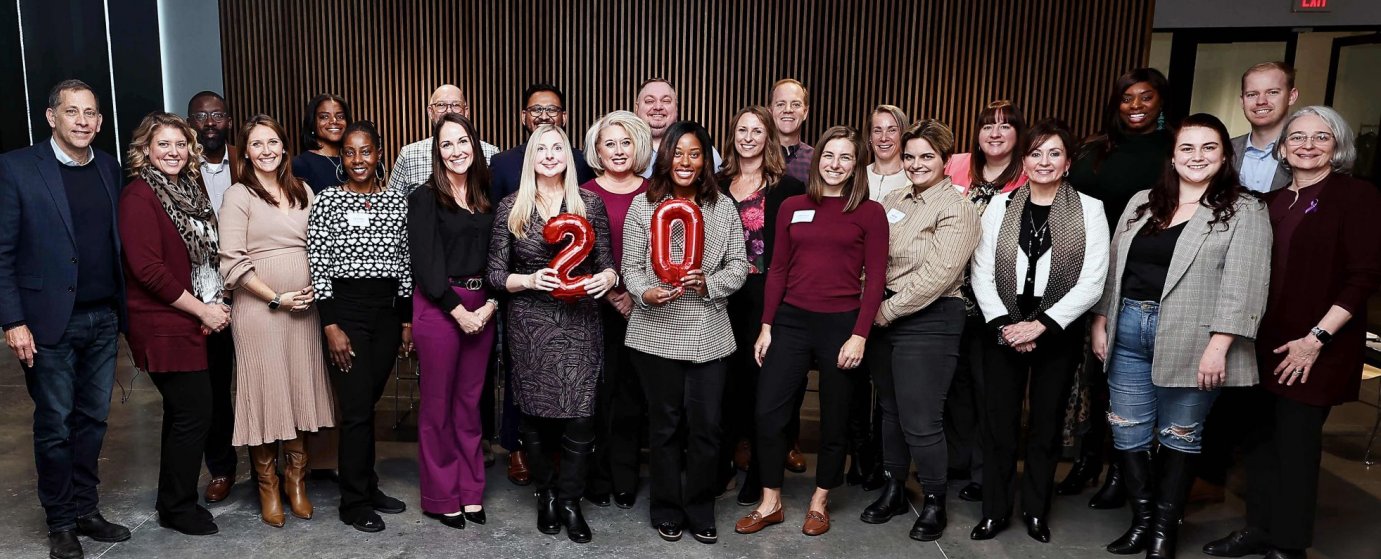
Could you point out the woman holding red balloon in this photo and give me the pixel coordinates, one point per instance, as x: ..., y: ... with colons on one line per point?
x: 817, y: 308
x: 683, y: 256
x: 554, y: 326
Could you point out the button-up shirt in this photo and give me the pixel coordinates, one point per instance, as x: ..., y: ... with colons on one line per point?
x: 1258, y: 166
x: 67, y: 160
x: 798, y: 161
x: 414, y: 165
x: 932, y: 236
x: 216, y: 178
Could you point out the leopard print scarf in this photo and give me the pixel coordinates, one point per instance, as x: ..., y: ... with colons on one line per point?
x: 1066, y: 249
x: 189, y: 207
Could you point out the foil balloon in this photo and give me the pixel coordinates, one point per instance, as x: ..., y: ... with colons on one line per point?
x: 669, y: 212
x: 582, y: 237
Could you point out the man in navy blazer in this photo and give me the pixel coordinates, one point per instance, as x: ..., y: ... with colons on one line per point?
x: 542, y: 104
x: 61, y: 295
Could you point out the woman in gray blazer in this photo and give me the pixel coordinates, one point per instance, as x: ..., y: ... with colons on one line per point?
x: 1191, y: 254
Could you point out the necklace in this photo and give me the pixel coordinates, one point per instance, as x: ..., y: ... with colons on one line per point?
x: 1037, y: 234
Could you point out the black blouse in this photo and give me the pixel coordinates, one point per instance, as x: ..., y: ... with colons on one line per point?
x: 446, y: 243
x: 1148, y: 262
x: 1034, y: 242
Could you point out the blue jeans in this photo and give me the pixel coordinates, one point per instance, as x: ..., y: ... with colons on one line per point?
x: 1139, y: 410
x: 70, y: 384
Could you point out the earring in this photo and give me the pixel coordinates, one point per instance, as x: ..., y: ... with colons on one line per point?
x: 1160, y: 121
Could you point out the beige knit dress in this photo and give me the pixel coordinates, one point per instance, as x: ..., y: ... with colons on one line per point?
x: 281, y: 385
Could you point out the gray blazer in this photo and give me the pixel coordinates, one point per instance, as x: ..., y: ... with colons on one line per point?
x: 1217, y: 283
x: 1239, y: 149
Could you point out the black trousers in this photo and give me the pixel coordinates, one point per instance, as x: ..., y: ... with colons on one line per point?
x: 1049, y: 369
x: 366, y: 312
x: 1234, y: 415
x: 1283, y: 454
x: 186, y: 420
x: 619, y: 413
x: 741, y: 382
x: 800, y: 337
x: 912, y: 362
x: 683, y: 403
x: 573, y: 439
x: 219, y: 455
x: 964, y: 406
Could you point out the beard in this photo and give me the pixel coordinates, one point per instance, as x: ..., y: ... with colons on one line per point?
x: 211, y: 144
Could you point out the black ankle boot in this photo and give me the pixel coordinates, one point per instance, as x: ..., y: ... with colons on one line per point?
x: 890, y: 502
x: 1136, y: 475
x: 1113, y: 494
x: 568, y: 510
x: 547, y: 521
x: 1171, y: 490
x: 930, y: 525
x: 1082, y: 474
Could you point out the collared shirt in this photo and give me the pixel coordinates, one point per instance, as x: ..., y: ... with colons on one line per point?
x: 67, y: 160
x: 216, y: 178
x: 798, y: 161
x: 414, y: 165
x: 1258, y: 166
x: 932, y: 236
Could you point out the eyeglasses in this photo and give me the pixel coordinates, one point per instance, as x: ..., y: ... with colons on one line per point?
x: 1319, y: 139
x: 218, y: 116
x: 549, y: 110
x: 450, y: 107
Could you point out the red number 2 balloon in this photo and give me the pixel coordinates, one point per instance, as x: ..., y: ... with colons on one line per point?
x: 685, y: 211
x: 582, y: 241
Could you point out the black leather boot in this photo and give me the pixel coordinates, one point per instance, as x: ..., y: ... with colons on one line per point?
x: 1137, y: 476
x: 575, y: 462
x: 1171, y: 491
x: 930, y: 525
x: 890, y: 502
x: 568, y: 510
x: 1113, y: 494
x: 1083, y: 474
x: 547, y: 521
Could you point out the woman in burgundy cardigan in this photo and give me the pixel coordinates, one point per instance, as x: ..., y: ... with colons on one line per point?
x: 1325, y: 264
x: 168, y: 234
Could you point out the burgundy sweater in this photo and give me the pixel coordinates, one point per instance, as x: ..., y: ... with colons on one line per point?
x: 818, y: 265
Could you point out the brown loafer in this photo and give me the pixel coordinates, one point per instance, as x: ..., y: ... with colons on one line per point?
x: 743, y: 453
x: 755, y: 521
x: 816, y: 523
x: 517, y: 468
x: 218, y: 489
x: 796, y: 460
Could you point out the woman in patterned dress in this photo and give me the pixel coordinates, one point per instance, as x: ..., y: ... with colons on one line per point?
x: 557, y: 347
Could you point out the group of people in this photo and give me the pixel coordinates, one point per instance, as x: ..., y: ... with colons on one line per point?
x: 938, y: 293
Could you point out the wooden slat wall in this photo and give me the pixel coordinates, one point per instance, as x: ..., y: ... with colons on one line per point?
x: 934, y: 58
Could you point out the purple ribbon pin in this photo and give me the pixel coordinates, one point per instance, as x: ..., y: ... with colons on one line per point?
x: 1313, y: 206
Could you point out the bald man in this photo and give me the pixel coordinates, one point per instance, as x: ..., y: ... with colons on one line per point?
x: 414, y: 165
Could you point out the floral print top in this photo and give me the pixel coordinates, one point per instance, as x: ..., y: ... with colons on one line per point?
x: 753, y: 212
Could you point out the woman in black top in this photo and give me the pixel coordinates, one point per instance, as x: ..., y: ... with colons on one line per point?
x: 323, y: 129
x: 1126, y: 157
x: 449, y: 222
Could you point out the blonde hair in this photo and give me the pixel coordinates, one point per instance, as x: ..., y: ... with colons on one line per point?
x: 143, y: 136
x: 526, y: 199
x: 637, y: 130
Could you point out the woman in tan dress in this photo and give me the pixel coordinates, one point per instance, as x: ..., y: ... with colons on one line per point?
x: 281, y: 385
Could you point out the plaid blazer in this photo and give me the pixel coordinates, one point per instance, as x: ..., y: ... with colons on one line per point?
x: 1217, y: 283
x: 691, y: 328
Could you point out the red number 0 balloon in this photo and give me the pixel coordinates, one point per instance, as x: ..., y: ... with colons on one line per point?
x: 582, y: 240
x: 685, y: 211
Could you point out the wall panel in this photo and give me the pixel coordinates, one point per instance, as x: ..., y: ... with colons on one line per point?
x: 934, y: 58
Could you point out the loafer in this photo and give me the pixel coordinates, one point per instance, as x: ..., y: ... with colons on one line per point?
x: 796, y: 461
x: 456, y: 521
x: 477, y: 517
x: 598, y: 499
x: 755, y: 521
x: 368, y: 522
x: 1240, y: 543
x: 625, y: 500
x: 218, y: 489
x: 191, y: 525
x: 706, y: 535
x: 96, y: 527
x: 973, y: 493
x: 517, y: 468
x: 64, y: 545
x: 988, y: 528
x: 817, y: 523
x: 385, y: 504
x: 1037, y: 528
x: 669, y: 531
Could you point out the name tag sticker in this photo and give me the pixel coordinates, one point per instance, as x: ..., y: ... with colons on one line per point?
x: 357, y: 219
x: 894, y: 216
x: 803, y: 216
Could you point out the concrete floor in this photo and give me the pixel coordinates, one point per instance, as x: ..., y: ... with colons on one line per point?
x: 1348, y: 513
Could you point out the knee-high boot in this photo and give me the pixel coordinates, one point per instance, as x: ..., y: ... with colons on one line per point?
x: 1173, y: 468
x: 295, y: 476
x: 265, y: 458
x: 541, y: 473
x: 575, y: 460
x: 1137, y: 477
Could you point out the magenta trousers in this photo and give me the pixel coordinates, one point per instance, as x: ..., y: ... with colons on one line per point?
x: 452, y: 368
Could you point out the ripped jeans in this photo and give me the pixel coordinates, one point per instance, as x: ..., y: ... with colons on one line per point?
x: 1140, y: 411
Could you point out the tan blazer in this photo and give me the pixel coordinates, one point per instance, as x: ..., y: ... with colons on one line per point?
x: 1217, y: 283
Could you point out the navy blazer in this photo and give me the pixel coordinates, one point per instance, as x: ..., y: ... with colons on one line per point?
x: 38, y: 250
x: 506, y: 169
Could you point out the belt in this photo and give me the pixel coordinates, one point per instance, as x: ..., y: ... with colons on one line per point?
x: 472, y: 283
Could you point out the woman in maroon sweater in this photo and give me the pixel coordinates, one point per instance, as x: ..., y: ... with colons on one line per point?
x: 1325, y: 264
x: 168, y: 234
x: 817, y: 308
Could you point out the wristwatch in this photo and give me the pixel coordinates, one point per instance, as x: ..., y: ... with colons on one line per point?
x: 1322, y: 335
x: 274, y: 304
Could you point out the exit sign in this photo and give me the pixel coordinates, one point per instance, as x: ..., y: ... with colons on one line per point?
x: 1309, y: 5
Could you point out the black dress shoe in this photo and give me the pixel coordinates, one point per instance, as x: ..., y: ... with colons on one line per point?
x: 189, y: 524
x: 706, y: 535
x: 598, y: 499
x: 988, y: 528
x: 1037, y: 528
x: 456, y: 521
x: 368, y: 522
x: 930, y: 525
x: 98, y: 528
x: 669, y: 531
x: 64, y: 545
x: 1286, y: 554
x: 973, y: 492
x: 385, y: 504
x: 568, y: 510
x: 477, y: 517
x: 547, y: 522
x: 891, y: 501
x: 625, y: 500
x: 1240, y: 543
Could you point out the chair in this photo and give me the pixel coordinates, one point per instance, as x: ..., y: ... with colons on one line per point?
x: 405, y: 370
x: 1369, y: 372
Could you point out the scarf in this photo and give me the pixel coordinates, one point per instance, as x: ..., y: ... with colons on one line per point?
x: 1066, y: 249
x: 189, y: 207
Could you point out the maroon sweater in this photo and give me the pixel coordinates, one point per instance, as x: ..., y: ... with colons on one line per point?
x: 818, y: 265
x: 161, y: 338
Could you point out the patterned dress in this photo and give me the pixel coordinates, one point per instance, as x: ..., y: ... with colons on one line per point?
x: 557, y: 348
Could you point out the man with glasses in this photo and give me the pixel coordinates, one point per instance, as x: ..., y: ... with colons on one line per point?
x: 414, y: 164
x: 208, y: 114
x: 1268, y: 91
x: 542, y: 104
x: 657, y: 104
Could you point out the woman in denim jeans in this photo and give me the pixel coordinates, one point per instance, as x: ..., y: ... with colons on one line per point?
x: 1191, y: 254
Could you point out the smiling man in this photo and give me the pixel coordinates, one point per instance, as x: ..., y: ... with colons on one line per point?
x: 542, y: 104
x: 1268, y: 91
x: 790, y: 105
x: 414, y: 164
x: 656, y: 104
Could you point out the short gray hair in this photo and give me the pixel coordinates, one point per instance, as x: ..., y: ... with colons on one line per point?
x: 55, y: 94
x: 1344, y: 146
x: 637, y: 130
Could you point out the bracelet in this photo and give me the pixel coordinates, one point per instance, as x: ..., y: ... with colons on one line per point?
x: 492, y: 301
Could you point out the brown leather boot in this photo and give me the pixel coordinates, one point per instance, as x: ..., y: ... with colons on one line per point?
x: 270, y: 504
x: 294, y: 478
